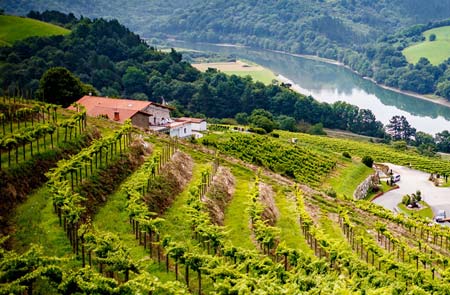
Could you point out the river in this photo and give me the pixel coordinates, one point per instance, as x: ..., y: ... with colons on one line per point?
x: 329, y: 83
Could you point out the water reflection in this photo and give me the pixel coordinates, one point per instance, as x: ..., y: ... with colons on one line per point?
x: 330, y: 83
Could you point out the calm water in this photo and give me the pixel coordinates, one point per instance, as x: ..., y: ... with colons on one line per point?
x: 330, y: 83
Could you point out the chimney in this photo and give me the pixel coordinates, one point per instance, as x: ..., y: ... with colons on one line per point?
x: 116, y: 116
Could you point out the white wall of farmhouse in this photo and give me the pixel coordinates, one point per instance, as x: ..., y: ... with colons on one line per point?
x: 184, y: 130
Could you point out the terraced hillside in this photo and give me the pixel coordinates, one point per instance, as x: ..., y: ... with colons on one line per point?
x: 13, y: 28
x: 132, y: 213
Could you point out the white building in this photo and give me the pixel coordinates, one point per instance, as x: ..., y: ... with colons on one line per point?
x: 180, y: 129
x: 197, y: 125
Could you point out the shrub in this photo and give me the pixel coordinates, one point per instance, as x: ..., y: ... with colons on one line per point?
x: 276, y: 135
x: 331, y: 192
x: 317, y: 129
x: 406, y: 200
x: 257, y: 130
x: 368, y: 161
x: 432, y: 37
x: 346, y: 155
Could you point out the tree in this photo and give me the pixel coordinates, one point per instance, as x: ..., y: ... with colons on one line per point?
x: 443, y: 89
x: 443, y: 141
x: 59, y: 86
x: 287, y: 123
x: 241, y: 118
x: 368, y: 161
x: 317, y: 129
x: 400, y: 129
x: 261, y: 118
x: 134, y: 80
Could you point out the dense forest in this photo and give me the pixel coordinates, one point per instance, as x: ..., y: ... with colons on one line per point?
x: 116, y: 62
x: 108, y: 59
x: 359, y: 33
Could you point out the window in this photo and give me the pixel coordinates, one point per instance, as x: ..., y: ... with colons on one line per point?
x: 184, y: 130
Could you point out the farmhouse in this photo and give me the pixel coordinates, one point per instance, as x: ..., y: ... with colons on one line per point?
x: 143, y: 114
x: 197, y: 125
x: 180, y: 129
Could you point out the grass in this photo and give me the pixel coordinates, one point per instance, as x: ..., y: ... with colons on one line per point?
x: 13, y: 28
x: 436, y: 51
x: 265, y: 76
x: 242, y: 69
x: 346, y: 179
x: 236, y: 217
x: 384, y: 188
x: 176, y: 218
x: 288, y: 222
x: 36, y: 222
x: 113, y: 218
x: 426, y: 212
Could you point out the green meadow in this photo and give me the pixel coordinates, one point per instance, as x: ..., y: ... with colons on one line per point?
x: 435, y: 51
x: 13, y: 28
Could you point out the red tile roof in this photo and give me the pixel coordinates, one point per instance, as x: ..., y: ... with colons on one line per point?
x: 127, y: 108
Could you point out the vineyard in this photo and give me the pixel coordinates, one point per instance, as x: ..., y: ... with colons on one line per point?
x: 133, y: 213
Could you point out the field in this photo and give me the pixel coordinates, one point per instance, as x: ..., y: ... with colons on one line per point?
x: 437, y: 51
x: 13, y: 28
x: 242, y: 69
x: 235, y: 213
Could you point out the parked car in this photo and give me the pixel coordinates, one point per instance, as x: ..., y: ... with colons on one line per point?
x: 396, y: 178
x: 440, y: 217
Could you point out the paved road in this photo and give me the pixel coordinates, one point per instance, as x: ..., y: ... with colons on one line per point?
x: 411, y: 181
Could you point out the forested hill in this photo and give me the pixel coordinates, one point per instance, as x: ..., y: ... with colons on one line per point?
x: 117, y: 63
x: 302, y: 26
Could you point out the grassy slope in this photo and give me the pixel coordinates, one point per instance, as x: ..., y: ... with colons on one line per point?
x: 113, y: 217
x: 36, y: 222
x: 260, y: 73
x: 346, y: 179
x: 13, y: 28
x: 288, y: 222
x: 265, y: 76
x: 436, y: 51
x: 236, y: 217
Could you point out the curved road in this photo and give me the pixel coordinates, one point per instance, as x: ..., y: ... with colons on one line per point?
x: 411, y: 181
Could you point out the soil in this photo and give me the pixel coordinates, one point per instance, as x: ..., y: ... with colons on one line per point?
x: 219, y: 194
x: 266, y: 197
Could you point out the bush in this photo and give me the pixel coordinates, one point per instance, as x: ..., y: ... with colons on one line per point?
x: 331, y: 192
x: 346, y: 155
x: 406, y: 200
x: 276, y: 135
x: 368, y: 161
x: 432, y: 37
x: 257, y: 130
x: 317, y: 129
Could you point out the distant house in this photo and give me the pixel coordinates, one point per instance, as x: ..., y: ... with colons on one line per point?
x: 180, y: 129
x: 143, y: 114
x: 197, y: 124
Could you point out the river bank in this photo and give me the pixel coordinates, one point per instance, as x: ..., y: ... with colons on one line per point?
x: 330, y: 81
x: 438, y: 100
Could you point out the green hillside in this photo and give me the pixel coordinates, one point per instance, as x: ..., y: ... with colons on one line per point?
x: 435, y: 51
x: 116, y: 216
x: 13, y: 28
